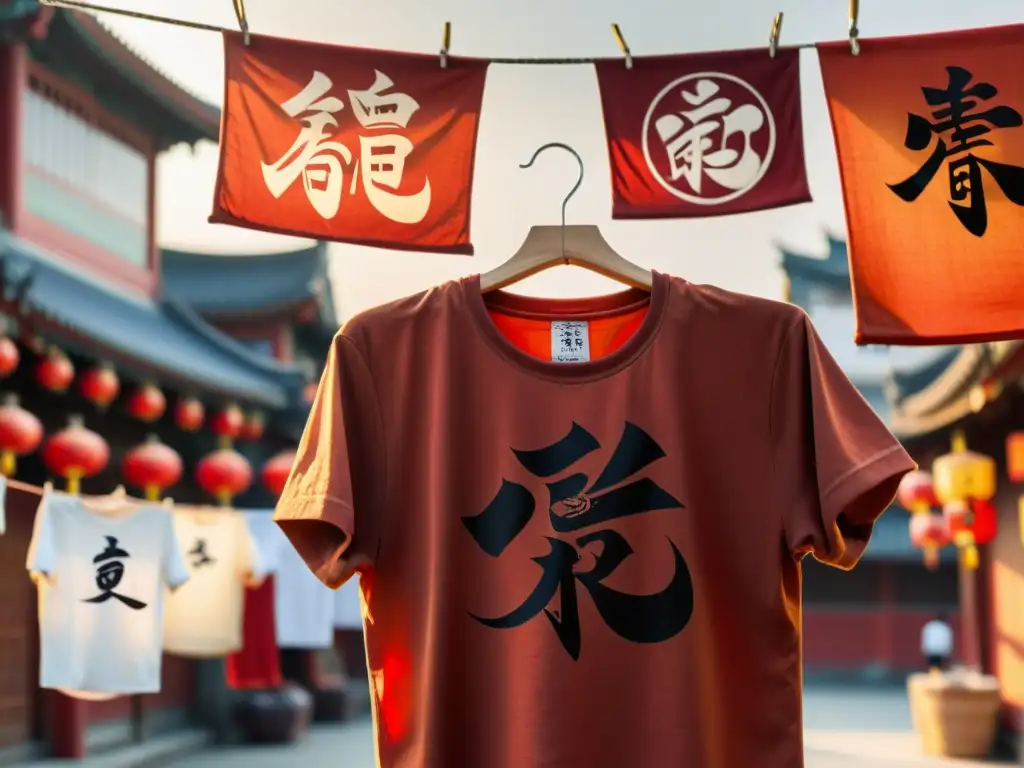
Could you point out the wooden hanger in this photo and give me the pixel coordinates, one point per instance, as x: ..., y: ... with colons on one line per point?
x: 581, y: 245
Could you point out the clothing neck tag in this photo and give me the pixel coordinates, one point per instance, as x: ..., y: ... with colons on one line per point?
x: 570, y: 341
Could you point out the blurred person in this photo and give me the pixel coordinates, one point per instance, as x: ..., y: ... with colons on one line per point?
x: 937, y: 643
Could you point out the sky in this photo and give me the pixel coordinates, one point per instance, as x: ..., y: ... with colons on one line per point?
x: 526, y: 106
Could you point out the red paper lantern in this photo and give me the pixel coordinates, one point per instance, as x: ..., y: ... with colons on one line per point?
x: 76, y: 452
x: 252, y: 429
x: 189, y: 414
x: 930, y: 533
x: 20, y: 434
x: 9, y: 357
x: 55, y: 372
x: 275, y: 472
x: 224, y: 474
x: 152, y: 466
x: 147, y: 403
x: 917, y: 492
x: 227, y: 423
x: 976, y: 518
x: 1015, y: 457
x: 99, y: 385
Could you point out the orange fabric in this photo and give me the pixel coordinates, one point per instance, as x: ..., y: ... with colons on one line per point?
x: 348, y: 144
x: 935, y: 256
x: 588, y: 564
x: 533, y: 336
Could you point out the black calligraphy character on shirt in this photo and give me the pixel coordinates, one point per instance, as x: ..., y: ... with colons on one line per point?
x: 960, y: 127
x: 576, y: 504
x: 109, y: 573
x: 199, y: 555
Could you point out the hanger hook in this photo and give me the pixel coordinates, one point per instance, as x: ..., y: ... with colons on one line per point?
x: 579, y: 160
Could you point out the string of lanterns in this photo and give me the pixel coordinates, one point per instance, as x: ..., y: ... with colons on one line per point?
x: 76, y: 452
x: 952, y: 504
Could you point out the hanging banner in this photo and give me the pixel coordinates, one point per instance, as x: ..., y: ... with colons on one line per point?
x: 930, y: 138
x: 704, y: 134
x: 353, y: 145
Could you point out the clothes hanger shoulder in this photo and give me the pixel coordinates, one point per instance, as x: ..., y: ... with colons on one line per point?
x: 581, y: 245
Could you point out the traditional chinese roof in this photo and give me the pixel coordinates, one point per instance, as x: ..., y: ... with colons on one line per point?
x: 164, y: 340
x: 946, y: 394
x: 79, y: 42
x: 833, y: 270
x: 222, y: 286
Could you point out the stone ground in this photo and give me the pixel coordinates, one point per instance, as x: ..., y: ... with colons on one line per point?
x: 845, y: 728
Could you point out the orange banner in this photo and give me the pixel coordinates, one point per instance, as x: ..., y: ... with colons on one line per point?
x: 929, y: 131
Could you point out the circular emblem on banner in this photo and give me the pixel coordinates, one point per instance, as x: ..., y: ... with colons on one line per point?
x: 708, y: 138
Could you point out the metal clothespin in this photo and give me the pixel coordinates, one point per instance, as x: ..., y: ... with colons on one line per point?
x: 854, y: 30
x: 773, y: 37
x: 243, y: 22
x: 622, y: 45
x: 446, y: 43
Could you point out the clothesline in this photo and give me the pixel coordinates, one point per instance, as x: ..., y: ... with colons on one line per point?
x: 773, y: 40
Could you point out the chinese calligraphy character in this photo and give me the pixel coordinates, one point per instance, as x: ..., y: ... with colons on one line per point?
x: 199, y: 555
x: 959, y: 127
x: 109, y: 575
x: 319, y: 159
x: 582, y: 511
x: 313, y: 155
x: 697, y: 138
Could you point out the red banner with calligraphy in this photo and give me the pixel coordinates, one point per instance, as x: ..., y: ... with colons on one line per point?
x: 353, y: 145
x: 702, y: 135
x: 929, y: 132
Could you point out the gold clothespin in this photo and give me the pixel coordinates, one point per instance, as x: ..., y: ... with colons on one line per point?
x: 120, y: 492
x: 854, y: 29
x: 446, y: 43
x: 243, y: 22
x: 623, y: 46
x: 773, y: 38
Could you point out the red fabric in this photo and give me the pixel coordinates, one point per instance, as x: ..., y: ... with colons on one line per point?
x: 257, y: 665
x: 703, y: 135
x: 930, y: 141
x: 347, y: 144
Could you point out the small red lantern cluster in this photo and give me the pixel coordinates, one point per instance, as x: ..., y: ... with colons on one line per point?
x: 99, y: 385
x: 275, y: 472
x: 54, y: 371
x: 152, y: 466
x: 20, y: 434
x: 147, y: 403
x: 189, y: 414
x: 75, y: 453
x: 253, y: 427
x: 224, y: 474
x: 10, y: 357
x: 929, y: 532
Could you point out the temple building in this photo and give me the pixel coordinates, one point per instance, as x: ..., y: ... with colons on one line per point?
x: 867, y: 622
x: 107, y: 339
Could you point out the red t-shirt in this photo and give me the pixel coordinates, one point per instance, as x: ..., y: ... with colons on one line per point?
x: 589, y: 563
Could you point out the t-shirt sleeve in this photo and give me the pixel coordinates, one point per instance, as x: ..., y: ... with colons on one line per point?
x: 836, y: 465
x: 42, y: 548
x: 331, y: 505
x: 175, y: 572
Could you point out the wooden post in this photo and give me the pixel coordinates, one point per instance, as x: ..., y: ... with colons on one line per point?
x: 67, y: 738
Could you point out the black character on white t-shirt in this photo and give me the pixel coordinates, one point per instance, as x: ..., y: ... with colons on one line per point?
x: 109, y: 572
x: 199, y: 555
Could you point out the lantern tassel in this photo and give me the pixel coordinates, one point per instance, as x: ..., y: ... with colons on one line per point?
x: 970, y: 557
x: 931, y: 557
x: 8, y: 463
x: 152, y: 492
x: 224, y: 497
x: 74, y: 481
x: 224, y: 443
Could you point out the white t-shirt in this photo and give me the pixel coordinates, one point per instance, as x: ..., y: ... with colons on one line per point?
x: 936, y: 639
x: 203, y: 619
x: 3, y: 505
x: 348, y: 605
x: 303, y: 606
x: 102, y: 566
